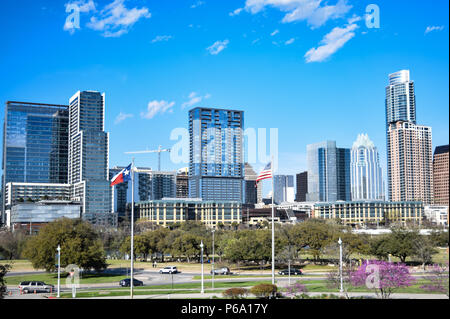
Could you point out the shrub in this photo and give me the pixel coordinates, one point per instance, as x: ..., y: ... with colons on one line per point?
x: 264, y: 290
x: 235, y: 293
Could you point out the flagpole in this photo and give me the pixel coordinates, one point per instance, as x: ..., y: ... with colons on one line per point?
x: 132, y: 229
x: 273, y: 225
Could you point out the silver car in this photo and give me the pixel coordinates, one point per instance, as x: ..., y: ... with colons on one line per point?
x: 35, y: 287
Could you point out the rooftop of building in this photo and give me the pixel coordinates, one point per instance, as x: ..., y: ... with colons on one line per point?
x: 441, y: 149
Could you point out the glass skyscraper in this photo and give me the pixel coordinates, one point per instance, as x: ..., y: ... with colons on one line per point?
x: 283, y: 189
x: 216, y: 162
x: 88, y: 154
x: 328, y: 172
x: 35, y: 148
x: 366, y: 173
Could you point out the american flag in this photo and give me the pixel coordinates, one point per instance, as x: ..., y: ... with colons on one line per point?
x: 266, y: 173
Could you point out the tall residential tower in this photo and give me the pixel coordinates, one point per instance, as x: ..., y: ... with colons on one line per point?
x: 409, y: 146
x: 88, y: 155
x: 216, y: 160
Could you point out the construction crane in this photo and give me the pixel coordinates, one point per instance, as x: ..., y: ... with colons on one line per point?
x: 159, y: 151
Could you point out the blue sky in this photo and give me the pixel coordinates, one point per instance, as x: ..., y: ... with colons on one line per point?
x: 310, y: 68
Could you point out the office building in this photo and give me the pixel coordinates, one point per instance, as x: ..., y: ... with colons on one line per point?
x: 89, y: 155
x: 183, y: 183
x: 171, y: 211
x: 32, y: 216
x: 252, y: 190
x: 436, y: 214
x: 283, y: 189
x: 302, y: 187
x: 35, y: 146
x: 216, y: 159
x: 148, y: 185
x: 328, y: 172
x: 365, y: 170
x: 440, y: 175
x: 364, y: 213
x: 409, y: 146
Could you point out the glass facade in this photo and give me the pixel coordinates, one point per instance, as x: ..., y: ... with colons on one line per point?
x: 328, y: 172
x: 216, y: 162
x: 35, y: 143
x: 283, y: 188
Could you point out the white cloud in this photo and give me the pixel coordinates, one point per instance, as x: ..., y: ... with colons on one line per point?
x: 332, y: 42
x: 115, y: 19
x: 312, y: 11
x: 161, y: 38
x: 218, y: 47
x: 194, y: 98
x: 73, y: 9
x: 290, y: 41
x: 197, y: 4
x: 236, y: 12
x: 122, y: 117
x: 155, y: 107
x: 275, y: 33
x: 434, y: 28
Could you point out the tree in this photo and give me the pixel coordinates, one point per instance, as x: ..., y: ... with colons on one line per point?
x: 438, y: 280
x: 187, y: 245
x: 424, y: 250
x: 141, y: 246
x: 401, y: 242
x: 3, y: 271
x: 80, y: 245
x: 313, y: 235
x: 379, y: 248
x: 384, y: 277
x: 295, y: 289
x: 12, y: 243
x: 264, y: 291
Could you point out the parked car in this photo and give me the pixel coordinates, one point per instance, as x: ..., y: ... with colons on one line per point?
x: 126, y: 282
x: 35, y: 287
x: 294, y: 272
x: 169, y: 270
x: 222, y: 271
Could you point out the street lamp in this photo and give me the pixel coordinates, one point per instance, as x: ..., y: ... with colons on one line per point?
x: 213, y: 272
x: 201, y: 247
x: 340, y: 264
x: 59, y: 268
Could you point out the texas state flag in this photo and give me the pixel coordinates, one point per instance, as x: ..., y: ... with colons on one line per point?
x: 122, y: 177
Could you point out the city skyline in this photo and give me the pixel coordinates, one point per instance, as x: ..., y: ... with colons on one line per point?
x: 135, y: 95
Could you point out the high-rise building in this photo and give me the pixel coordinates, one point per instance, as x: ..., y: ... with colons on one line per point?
x: 283, y: 189
x: 328, y: 172
x: 252, y: 191
x: 440, y: 175
x: 302, y: 187
x: 365, y: 168
x: 183, y: 183
x: 400, y: 98
x: 35, y: 146
x: 89, y: 154
x: 410, y: 163
x: 216, y: 160
x: 409, y: 146
x: 148, y: 185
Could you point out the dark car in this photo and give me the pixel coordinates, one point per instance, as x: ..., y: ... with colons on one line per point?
x: 294, y: 272
x: 126, y: 282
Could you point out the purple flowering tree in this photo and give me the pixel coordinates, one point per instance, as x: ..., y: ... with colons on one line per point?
x: 438, y: 280
x: 383, y: 277
x: 295, y: 289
